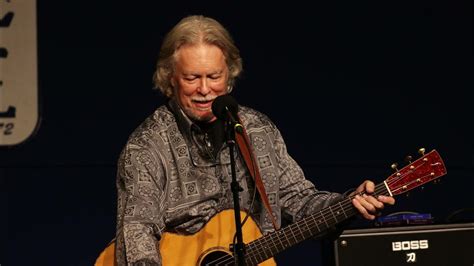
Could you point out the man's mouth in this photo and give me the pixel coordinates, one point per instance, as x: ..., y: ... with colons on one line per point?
x: 203, y: 104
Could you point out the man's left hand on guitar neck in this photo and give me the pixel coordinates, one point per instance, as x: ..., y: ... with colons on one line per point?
x: 369, y: 206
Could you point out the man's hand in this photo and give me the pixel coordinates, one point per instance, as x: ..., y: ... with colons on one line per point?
x: 368, y: 206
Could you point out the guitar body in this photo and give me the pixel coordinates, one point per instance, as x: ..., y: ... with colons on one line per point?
x: 201, y: 248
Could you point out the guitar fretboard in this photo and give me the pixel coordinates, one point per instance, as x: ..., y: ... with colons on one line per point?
x: 275, y: 242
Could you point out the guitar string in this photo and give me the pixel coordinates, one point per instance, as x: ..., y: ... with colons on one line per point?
x: 310, y: 225
x: 287, y: 230
x: 379, y: 189
x: 342, y: 207
x: 226, y: 259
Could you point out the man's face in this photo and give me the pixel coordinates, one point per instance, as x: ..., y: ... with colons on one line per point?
x: 201, y: 74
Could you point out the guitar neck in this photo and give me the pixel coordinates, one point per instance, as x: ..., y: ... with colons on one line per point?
x: 278, y: 241
x: 425, y: 169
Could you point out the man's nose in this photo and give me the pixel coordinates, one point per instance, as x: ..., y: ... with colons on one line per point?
x: 204, y: 87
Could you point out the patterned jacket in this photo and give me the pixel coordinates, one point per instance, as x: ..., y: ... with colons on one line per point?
x: 168, y: 180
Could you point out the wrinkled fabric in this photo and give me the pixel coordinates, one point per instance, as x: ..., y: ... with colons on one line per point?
x: 168, y: 179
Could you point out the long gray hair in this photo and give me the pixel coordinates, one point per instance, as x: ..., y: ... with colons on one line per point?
x: 192, y: 30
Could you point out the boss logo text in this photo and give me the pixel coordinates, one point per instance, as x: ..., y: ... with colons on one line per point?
x: 410, y: 245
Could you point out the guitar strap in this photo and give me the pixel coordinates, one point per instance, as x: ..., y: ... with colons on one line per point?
x: 243, y: 142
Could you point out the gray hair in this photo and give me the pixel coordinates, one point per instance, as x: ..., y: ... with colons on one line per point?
x: 192, y: 30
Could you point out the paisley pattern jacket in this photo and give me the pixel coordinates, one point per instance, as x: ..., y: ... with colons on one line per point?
x: 168, y: 179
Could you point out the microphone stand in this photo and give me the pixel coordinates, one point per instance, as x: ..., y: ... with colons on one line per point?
x: 239, y: 247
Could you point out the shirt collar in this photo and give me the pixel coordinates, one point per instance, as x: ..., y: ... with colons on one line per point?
x: 191, y: 130
x: 185, y: 124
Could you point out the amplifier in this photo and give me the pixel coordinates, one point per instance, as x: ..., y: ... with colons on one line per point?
x: 434, y: 245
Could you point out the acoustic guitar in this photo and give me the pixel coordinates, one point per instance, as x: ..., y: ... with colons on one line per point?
x: 210, y: 246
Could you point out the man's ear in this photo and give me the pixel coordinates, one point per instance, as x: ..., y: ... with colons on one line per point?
x: 173, y: 81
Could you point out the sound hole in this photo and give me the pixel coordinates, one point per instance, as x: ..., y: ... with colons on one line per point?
x: 217, y: 257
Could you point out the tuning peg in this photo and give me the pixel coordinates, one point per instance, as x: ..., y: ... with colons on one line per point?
x: 408, y: 159
x: 394, y: 166
x: 421, y: 151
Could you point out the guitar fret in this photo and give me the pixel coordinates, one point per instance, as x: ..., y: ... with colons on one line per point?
x: 316, y: 223
x: 324, y: 219
x: 297, y: 234
x: 286, y: 238
x: 265, y: 247
x: 345, y: 215
x: 255, y: 245
x: 330, y: 210
x: 259, y: 253
x: 252, y: 260
x: 293, y: 234
x: 308, y: 228
x: 262, y: 255
x: 277, y: 235
x: 299, y: 229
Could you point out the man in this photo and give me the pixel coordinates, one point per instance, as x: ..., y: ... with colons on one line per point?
x: 174, y: 172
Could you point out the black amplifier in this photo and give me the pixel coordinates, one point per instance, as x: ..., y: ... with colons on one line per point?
x: 421, y: 245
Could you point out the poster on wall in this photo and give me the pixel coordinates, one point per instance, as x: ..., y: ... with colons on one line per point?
x: 18, y: 71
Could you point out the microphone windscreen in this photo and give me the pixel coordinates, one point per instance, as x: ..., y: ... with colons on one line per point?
x: 221, y: 102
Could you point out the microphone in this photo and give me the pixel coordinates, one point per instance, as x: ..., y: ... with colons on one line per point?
x: 225, y: 107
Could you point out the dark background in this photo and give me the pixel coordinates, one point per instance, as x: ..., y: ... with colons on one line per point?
x: 352, y: 86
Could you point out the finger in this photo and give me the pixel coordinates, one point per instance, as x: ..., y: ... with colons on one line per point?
x: 369, y: 186
x: 386, y: 200
x: 360, y: 204
x: 377, y: 204
x: 363, y: 211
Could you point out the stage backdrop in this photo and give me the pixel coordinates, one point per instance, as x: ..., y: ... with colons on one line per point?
x: 352, y: 86
x: 18, y: 72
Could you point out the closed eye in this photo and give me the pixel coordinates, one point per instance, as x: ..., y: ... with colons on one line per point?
x: 191, y: 78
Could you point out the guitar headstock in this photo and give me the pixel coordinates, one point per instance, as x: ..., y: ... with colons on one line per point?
x: 425, y: 169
